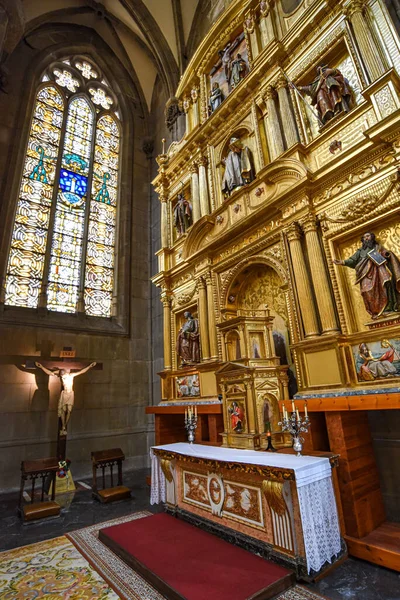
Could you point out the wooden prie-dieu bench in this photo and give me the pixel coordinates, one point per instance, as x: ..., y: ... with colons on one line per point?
x: 39, y: 507
x: 104, y: 459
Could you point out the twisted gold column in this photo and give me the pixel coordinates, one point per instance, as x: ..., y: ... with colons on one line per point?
x: 289, y: 124
x: 302, y: 282
x: 203, y: 320
x: 365, y: 39
x: 272, y: 126
x: 319, y: 276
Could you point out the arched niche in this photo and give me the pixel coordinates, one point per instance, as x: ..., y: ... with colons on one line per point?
x: 255, y: 284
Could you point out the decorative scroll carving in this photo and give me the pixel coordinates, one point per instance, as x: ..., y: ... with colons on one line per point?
x: 166, y: 469
x: 361, y: 206
x: 273, y: 492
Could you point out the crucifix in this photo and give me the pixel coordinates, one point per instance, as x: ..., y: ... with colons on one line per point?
x: 66, y: 370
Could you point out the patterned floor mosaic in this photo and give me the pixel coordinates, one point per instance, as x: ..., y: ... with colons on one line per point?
x: 80, y: 567
x: 54, y: 570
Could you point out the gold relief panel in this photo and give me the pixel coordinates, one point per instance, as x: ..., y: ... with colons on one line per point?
x: 195, y: 489
x: 377, y: 361
x: 244, y: 503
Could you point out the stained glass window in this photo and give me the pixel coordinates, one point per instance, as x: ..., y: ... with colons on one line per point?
x: 62, y: 248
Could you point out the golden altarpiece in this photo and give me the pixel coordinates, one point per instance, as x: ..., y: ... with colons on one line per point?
x: 305, y: 97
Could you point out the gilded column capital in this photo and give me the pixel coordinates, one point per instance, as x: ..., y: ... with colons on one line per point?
x: 265, y: 7
x: 202, y: 161
x: 249, y: 22
x: 193, y: 167
x: 269, y: 93
x: 293, y: 232
x: 309, y: 223
x: 166, y: 300
x: 355, y: 6
x: 194, y: 94
x: 280, y: 83
x: 201, y: 282
x: 186, y: 104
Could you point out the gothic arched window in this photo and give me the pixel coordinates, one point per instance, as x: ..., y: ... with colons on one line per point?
x: 62, y: 250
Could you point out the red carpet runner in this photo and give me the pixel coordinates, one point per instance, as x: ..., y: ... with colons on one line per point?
x: 185, y: 563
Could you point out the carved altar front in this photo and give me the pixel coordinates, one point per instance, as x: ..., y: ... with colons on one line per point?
x: 259, y: 498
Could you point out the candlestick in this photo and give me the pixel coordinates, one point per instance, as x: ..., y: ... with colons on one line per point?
x: 191, y: 423
x: 305, y: 409
x: 295, y: 425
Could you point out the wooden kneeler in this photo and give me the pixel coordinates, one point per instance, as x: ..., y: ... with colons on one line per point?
x: 45, y: 469
x: 109, y: 459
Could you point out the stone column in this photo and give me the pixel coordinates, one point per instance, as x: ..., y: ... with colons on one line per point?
x: 274, y: 134
x: 166, y: 300
x: 212, y: 328
x: 203, y: 320
x: 164, y: 223
x: 195, y: 109
x: 266, y: 24
x: 203, y: 186
x: 365, y: 39
x: 302, y: 282
x: 289, y: 124
x: 319, y: 276
x: 195, y: 193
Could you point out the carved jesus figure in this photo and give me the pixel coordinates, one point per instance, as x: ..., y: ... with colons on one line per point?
x: 66, y: 400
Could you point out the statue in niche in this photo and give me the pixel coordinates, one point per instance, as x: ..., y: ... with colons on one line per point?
x: 182, y: 215
x: 239, y: 169
x: 188, y: 340
x: 378, y: 273
x: 330, y: 93
x: 267, y: 417
x: 236, y: 414
x: 216, y: 97
x: 66, y: 400
x: 239, y: 70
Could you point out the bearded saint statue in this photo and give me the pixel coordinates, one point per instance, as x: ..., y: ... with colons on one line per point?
x: 238, y: 166
x: 330, y: 92
x: 378, y: 273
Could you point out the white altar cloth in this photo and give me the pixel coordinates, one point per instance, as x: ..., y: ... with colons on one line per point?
x: 314, y: 487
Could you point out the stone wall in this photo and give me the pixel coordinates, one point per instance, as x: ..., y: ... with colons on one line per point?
x: 109, y: 403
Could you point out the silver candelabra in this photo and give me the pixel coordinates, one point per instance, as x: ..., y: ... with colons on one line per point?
x: 295, y: 425
x: 191, y: 422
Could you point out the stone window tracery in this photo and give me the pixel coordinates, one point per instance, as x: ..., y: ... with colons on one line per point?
x: 62, y: 251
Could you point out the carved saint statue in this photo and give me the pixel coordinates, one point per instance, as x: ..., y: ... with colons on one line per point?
x: 330, y: 92
x: 239, y: 70
x: 66, y: 400
x: 188, y: 340
x: 238, y: 167
x: 216, y: 97
x: 378, y: 273
x: 182, y: 215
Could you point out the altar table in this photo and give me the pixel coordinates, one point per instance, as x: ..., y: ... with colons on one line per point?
x: 279, y: 505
